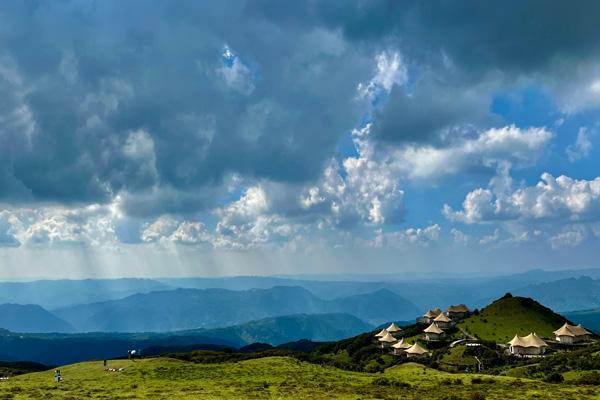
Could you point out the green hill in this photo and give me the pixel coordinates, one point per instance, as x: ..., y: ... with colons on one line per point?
x: 273, y: 377
x: 505, y: 317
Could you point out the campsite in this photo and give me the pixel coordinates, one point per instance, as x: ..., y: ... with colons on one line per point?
x: 396, y: 361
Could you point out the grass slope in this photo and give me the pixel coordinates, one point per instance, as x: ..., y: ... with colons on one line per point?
x: 275, y: 377
x: 501, y: 320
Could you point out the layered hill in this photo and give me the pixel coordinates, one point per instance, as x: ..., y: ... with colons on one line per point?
x: 65, y: 292
x: 505, y: 317
x: 31, y: 318
x: 565, y: 294
x: 588, y: 318
x: 291, y: 328
x: 181, y: 309
x: 56, y: 349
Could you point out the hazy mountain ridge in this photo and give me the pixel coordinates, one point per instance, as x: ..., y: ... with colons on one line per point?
x: 211, y: 308
x: 55, y: 349
x: 31, y: 318
x: 52, y: 294
x: 570, y: 294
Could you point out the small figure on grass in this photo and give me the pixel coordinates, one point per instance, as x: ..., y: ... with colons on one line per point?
x: 57, y: 376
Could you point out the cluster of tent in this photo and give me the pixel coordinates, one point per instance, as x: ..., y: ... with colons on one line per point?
x: 389, y: 338
x: 532, y: 344
x: 439, y: 321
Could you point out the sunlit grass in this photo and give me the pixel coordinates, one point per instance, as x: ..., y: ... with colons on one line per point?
x: 271, y: 378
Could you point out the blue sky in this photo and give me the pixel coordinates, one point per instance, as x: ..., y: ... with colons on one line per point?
x: 186, y: 138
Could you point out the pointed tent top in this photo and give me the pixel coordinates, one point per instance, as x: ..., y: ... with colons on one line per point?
x: 580, y: 330
x: 517, y: 342
x: 382, y: 333
x: 433, y: 329
x: 388, y: 338
x: 401, y: 345
x: 433, y: 313
x: 393, y: 328
x: 571, y: 330
x: 458, y: 308
x: 442, y: 318
x: 564, y: 330
x: 531, y: 340
x: 415, y: 349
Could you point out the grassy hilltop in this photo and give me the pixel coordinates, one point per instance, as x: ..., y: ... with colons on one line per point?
x: 505, y: 317
x: 273, y: 377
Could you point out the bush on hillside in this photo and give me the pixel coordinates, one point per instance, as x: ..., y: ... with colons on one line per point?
x: 589, y: 378
x: 554, y: 377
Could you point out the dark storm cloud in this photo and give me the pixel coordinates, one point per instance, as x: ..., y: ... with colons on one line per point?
x: 462, y: 44
x: 107, y: 97
x: 96, y: 74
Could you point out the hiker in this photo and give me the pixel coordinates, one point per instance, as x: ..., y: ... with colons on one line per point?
x: 104, y: 363
x: 57, y: 376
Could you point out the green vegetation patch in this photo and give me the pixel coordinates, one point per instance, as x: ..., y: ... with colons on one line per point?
x: 501, y: 320
x: 272, y: 378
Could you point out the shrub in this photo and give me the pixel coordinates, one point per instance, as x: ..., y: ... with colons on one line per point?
x: 554, y: 377
x: 383, y: 381
x: 590, y: 378
x: 476, y: 381
x: 477, y: 396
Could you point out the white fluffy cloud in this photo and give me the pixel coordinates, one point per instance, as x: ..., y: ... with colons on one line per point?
x: 490, y: 148
x: 408, y: 237
x: 561, y: 198
x: 91, y: 225
x: 390, y: 71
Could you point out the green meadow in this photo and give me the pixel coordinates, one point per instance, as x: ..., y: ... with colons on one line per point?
x: 273, y: 378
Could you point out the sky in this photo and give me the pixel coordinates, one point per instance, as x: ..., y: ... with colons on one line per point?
x: 188, y: 138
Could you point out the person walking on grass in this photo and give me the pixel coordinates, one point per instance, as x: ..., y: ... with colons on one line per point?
x: 57, y: 376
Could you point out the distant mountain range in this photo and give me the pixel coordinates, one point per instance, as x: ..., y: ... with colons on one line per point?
x: 65, y: 292
x: 31, y: 318
x: 56, y: 349
x: 181, y: 309
x: 290, y: 328
x: 565, y: 294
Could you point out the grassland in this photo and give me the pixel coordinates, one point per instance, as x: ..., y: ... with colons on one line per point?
x: 273, y: 378
x: 501, y: 320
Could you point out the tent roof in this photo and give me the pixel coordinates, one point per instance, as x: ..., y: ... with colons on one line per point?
x: 387, y: 338
x: 571, y: 330
x: 415, y: 349
x: 393, y: 328
x: 442, y: 318
x: 580, y: 330
x: 433, y: 313
x: 531, y: 340
x: 401, y: 345
x: 382, y: 333
x: 433, y: 329
x: 458, y: 308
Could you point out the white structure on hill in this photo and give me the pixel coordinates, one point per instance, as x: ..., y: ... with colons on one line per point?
x: 382, y: 333
x: 570, y: 334
x: 458, y: 312
x: 387, y: 340
x: 394, y: 330
x: 433, y: 333
x: 415, y: 351
x: 442, y: 321
x: 401, y: 347
x: 527, y: 345
x: 429, y: 316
